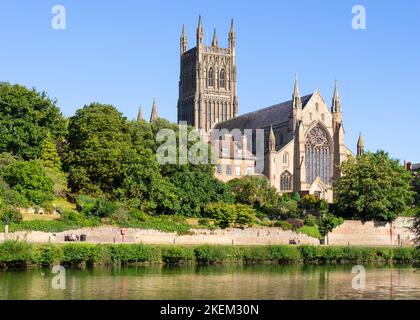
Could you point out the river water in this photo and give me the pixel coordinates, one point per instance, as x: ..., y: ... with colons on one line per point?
x: 271, y: 282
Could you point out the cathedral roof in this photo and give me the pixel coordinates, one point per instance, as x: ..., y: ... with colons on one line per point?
x: 263, y: 118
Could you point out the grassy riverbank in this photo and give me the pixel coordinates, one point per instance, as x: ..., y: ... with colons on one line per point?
x: 21, y: 254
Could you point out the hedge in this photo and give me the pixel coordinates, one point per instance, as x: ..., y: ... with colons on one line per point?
x: 17, y: 253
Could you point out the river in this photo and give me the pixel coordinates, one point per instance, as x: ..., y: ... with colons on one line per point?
x: 271, y: 282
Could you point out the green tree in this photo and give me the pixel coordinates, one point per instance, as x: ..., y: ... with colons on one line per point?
x: 49, y: 155
x: 29, y: 179
x: 197, y: 187
x: 99, y: 138
x: 374, y: 187
x: 254, y: 191
x: 26, y: 116
x: 144, y: 187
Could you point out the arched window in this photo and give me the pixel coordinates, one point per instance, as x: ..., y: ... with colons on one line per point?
x: 222, y: 80
x: 286, y: 181
x: 211, y: 78
x: 318, y: 157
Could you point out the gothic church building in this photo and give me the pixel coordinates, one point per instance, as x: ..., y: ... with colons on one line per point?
x: 303, y: 137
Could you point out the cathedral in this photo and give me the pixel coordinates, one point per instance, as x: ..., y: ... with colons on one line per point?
x: 303, y: 138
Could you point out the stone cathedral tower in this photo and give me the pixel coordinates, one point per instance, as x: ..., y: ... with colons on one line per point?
x: 208, y: 81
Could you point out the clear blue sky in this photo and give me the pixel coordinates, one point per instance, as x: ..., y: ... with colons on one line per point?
x: 127, y: 52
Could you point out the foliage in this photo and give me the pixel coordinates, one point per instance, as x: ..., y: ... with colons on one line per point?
x: 312, y: 231
x: 30, y: 180
x: 284, y: 225
x: 99, y: 142
x: 226, y: 214
x: 310, y: 220
x: 416, y: 229
x: 11, y: 215
x: 197, y: 187
x: 295, y: 223
x: 254, y: 191
x: 49, y: 156
x: 145, y: 187
x: 328, y: 222
x: 374, y: 187
x: 17, y: 253
x: 26, y: 117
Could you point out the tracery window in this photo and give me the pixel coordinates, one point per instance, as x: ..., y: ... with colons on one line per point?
x: 222, y: 79
x: 318, y: 156
x: 286, y: 181
x: 211, y: 78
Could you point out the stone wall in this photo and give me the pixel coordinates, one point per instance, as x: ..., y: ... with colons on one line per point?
x: 355, y: 232
x: 250, y: 236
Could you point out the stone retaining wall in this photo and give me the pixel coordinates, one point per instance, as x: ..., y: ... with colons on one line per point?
x: 358, y: 233
x: 354, y: 233
x: 250, y: 236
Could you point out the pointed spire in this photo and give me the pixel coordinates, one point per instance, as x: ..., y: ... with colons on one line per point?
x: 336, y: 105
x: 139, y: 115
x: 232, y: 31
x: 272, y: 140
x: 183, y: 40
x: 232, y: 35
x: 360, y: 145
x: 297, y: 103
x: 214, y: 43
x: 200, y: 33
x: 154, y: 115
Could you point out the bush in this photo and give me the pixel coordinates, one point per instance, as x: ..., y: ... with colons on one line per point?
x: 328, y: 222
x: 102, y: 209
x: 131, y: 253
x: 30, y: 180
x: 310, y: 220
x: 284, y: 225
x: 226, y: 214
x: 296, y: 223
x: 209, y: 254
x: 177, y: 254
x: 11, y: 216
x: 16, y: 253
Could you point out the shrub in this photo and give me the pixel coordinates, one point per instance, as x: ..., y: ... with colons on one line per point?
x: 310, y: 220
x: 132, y: 253
x: 49, y: 254
x: 285, y: 254
x: 176, y: 254
x: 30, y: 180
x: 284, y: 225
x: 296, y: 223
x: 328, y: 222
x: 102, y: 209
x: 16, y: 253
x: 209, y: 254
x: 11, y: 215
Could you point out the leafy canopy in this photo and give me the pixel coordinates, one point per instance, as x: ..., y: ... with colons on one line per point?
x: 374, y: 187
x: 26, y: 117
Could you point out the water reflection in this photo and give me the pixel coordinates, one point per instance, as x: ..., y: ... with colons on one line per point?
x: 214, y: 282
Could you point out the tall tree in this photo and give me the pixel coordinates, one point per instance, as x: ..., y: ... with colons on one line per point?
x: 99, y: 138
x: 26, y: 116
x: 49, y: 155
x: 374, y: 187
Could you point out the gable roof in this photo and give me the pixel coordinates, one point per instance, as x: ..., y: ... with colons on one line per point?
x: 263, y: 118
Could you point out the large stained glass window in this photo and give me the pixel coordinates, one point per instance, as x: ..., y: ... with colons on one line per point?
x: 318, y: 155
